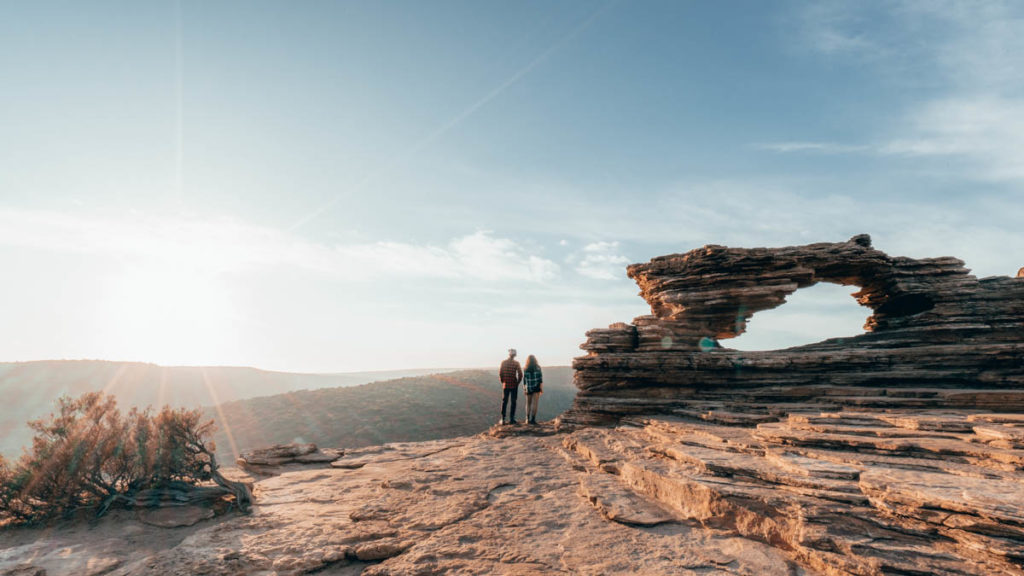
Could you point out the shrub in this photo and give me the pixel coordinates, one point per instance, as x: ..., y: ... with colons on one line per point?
x: 90, y: 456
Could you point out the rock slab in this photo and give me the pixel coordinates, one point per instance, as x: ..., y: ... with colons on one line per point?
x: 281, y: 457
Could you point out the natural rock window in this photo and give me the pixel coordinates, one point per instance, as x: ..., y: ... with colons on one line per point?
x: 935, y: 336
x: 808, y: 316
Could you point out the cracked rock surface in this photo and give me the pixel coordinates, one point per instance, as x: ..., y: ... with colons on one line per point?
x: 843, y: 492
x: 518, y: 504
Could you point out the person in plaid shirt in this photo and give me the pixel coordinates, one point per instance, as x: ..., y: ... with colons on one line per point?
x: 510, y: 374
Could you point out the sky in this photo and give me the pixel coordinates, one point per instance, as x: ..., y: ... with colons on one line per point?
x: 342, y: 186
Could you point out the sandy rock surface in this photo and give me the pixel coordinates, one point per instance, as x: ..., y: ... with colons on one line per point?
x: 518, y: 504
x: 849, y: 492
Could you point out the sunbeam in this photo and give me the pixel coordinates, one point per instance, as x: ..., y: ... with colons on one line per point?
x: 396, y: 158
x: 115, y: 380
x: 179, y: 101
x: 220, y: 415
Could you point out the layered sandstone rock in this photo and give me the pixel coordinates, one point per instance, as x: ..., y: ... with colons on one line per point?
x: 281, y: 457
x: 847, y: 492
x: 938, y: 336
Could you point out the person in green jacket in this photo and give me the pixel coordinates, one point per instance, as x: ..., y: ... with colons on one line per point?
x: 533, y: 381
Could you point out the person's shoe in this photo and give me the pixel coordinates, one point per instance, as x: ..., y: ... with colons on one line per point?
x: 513, y: 421
x: 501, y: 422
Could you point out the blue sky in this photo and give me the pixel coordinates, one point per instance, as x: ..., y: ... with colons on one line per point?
x: 332, y: 186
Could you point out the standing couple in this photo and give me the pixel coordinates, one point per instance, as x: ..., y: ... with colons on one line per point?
x: 511, y: 374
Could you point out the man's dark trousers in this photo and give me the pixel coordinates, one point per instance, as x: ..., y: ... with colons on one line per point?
x: 507, y: 393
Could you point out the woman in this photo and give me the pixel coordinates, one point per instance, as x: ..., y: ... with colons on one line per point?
x: 533, y: 381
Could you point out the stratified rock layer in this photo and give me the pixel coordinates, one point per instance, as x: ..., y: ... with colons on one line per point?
x: 864, y: 493
x: 816, y: 493
x: 282, y: 457
x: 938, y: 337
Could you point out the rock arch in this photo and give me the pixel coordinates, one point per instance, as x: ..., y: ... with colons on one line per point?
x: 714, y: 290
x: 933, y: 328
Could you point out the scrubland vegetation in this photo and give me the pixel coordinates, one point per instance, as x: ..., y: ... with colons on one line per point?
x: 89, y: 456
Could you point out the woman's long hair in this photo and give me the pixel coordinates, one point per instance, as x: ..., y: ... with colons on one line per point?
x: 531, y: 364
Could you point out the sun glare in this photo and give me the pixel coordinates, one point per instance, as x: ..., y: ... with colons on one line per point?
x: 166, y: 314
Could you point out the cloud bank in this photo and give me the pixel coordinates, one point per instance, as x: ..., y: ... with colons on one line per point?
x: 223, y: 245
x: 971, y: 49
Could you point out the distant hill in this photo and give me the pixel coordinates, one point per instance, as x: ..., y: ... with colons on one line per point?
x: 29, y: 389
x: 406, y: 409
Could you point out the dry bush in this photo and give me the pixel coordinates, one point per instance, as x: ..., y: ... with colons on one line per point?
x: 90, y: 456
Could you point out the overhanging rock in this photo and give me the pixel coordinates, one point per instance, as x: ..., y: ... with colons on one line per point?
x: 937, y: 337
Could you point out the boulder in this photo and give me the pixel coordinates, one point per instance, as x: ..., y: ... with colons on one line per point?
x: 275, y: 459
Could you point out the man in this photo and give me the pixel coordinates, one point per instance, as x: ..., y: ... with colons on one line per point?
x: 510, y: 374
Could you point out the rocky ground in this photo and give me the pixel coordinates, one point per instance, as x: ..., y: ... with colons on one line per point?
x: 810, y: 493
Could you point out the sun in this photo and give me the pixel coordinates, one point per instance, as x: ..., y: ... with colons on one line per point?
x: 167, y: 314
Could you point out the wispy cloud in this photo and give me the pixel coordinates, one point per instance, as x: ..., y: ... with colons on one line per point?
x: 836, y: 27
x: 989, y: 145
x: 602, y: 261
x: 985, y: 130
x: 971, y: 50
x: 819, y: 147
x: 978, y: 228
x: 978, y: 225
x: 479, y: 256
x: 977, y: 43
x: 228, y: 245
